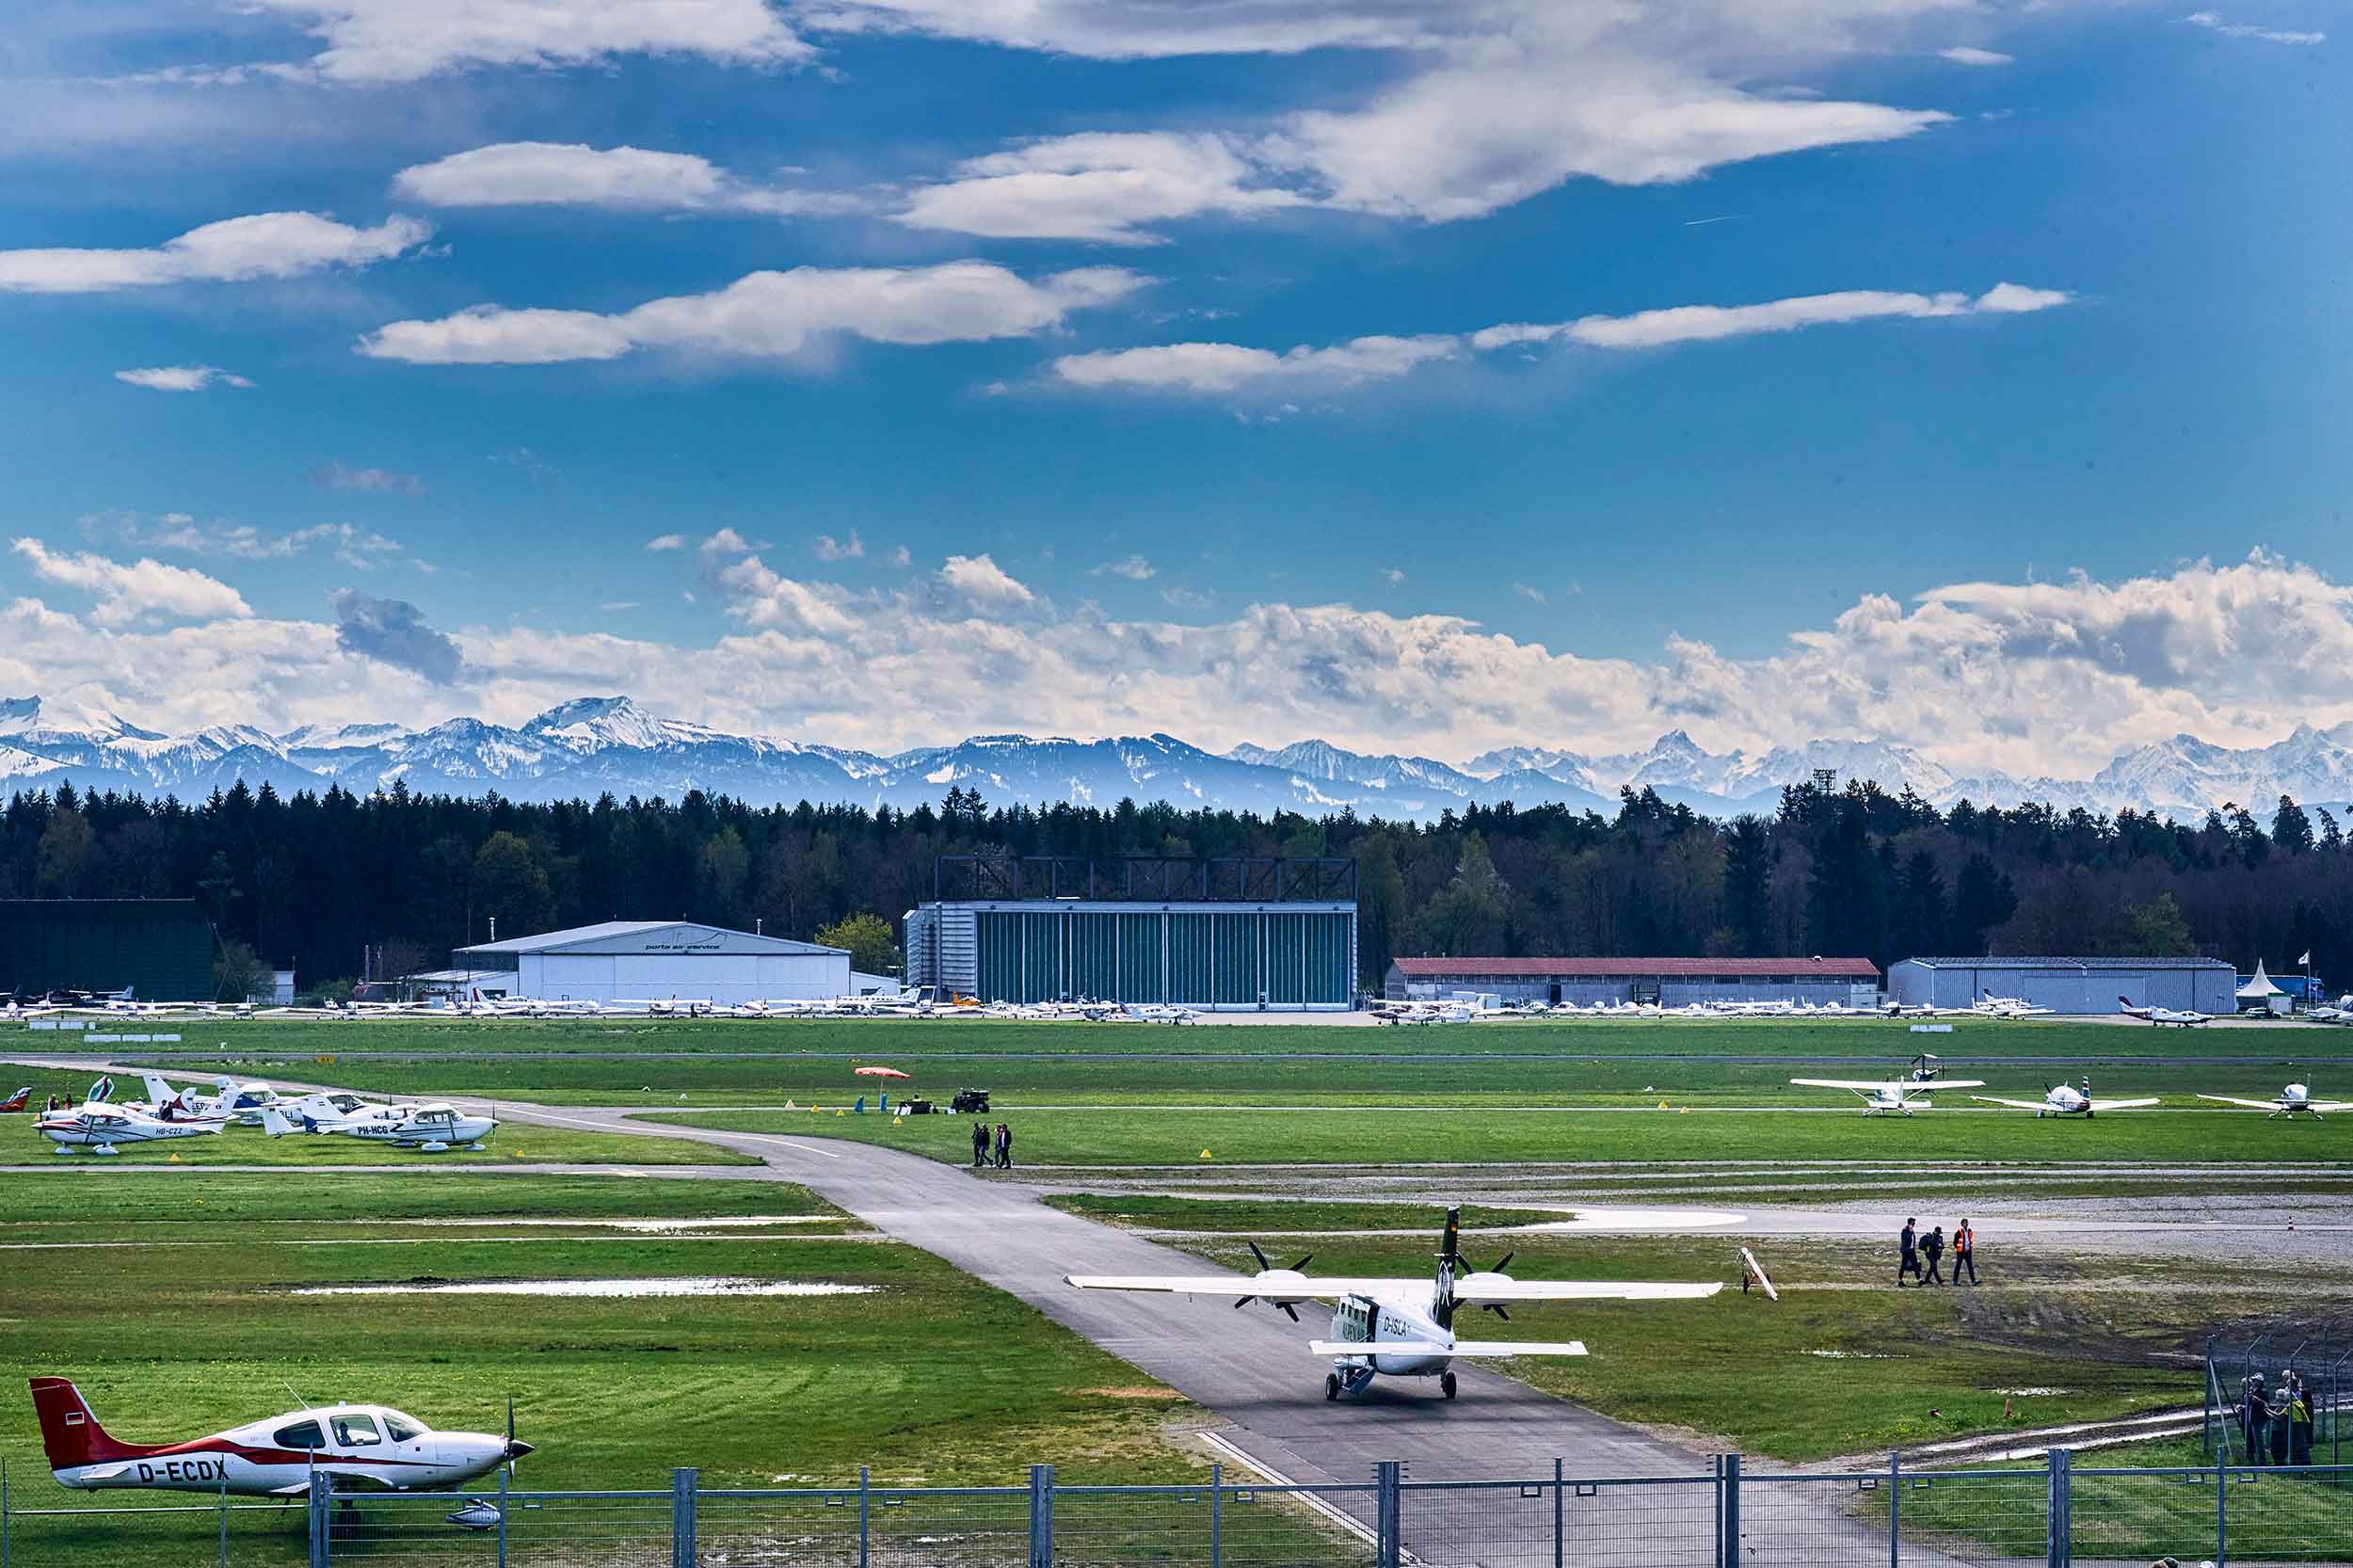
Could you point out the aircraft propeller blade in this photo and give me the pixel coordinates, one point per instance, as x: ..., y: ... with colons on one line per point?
x: 1263, y: 1264
x: 1240, y: 1302
x: 1304, y: 1258
x: 1288, y: 1311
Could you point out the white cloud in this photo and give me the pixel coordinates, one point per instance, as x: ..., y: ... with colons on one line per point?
x: 1135, y: 569
x: 827, y: 547
x: 2212, y: 22
x: 1963, y: 54
x: 182, y: 378
x: 1396, y: 575
x: 780, y: 315
x: 1220, y: 368
x: 236, y: 249
x: 1224, y: 367
x: 383, y: 481
x: 1186, y: 599
x: 403, y: 40
x: 544, y: 173
x: 615, y: 606
x: 2030, y: 678
x: 901, y: 556
x: 666, y: 541
x: 142, y: 590
x: 1097, y: 185
x: 979, y: 579
x: 1533, y: 595
x: 362, y: 548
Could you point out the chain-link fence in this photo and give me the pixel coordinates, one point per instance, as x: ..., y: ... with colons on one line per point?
x: 2283, y: 1399
x: 1728, y: 1516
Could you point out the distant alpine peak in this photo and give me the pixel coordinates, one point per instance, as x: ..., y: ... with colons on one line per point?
x: 595, y: 746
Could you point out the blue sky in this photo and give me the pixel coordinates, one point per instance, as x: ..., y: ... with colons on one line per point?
x: 952, y: 342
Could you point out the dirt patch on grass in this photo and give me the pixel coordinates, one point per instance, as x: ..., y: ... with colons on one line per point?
x: 1134, y: 1391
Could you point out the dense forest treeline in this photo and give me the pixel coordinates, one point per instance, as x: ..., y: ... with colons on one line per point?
x: 312, y: 879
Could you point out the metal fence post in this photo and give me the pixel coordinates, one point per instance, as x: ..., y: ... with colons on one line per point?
x: 1041, y: 1516
x: 1894, y: 1505
x: 1560, y: 1532
x: 2062, y: 1507
x: 224, y: 1516
x: 4, y: 1514
x: 1728, y: 1548
x: 322, y: 1515
x: 1384, y: 1512
x: 1217, y: 1518
x: 865, y: 1513
x: 502, y: 1490
x: 684, y: 1553
x: 2221, y: 1514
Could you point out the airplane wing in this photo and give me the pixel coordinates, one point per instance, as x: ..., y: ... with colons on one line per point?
x: 2124, y: 1105
x: 1952, y: 1083
x: 1472, y: 1349
x: 1859, y: 1085
x: 2015, y: 1105
x: 1488, y: 1292
x: 1240, y: 1285
x: 2252, y: 1105
x: 2325, y: 1107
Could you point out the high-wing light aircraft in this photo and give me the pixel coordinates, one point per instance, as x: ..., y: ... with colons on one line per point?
x: 2294, y: 1099
x: 362, y: 1446
x: 99, y: 1128
x: 2162, y: 1015
x: 1400, y: 1327
x: 430, y: 1128
x: 1902, y: 1096
x: 2065, y: 1101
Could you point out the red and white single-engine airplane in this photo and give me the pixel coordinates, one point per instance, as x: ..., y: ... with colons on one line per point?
x: 98, y: 1127
x: 361, y: 1446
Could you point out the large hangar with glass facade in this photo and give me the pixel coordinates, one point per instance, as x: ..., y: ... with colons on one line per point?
x: 1278, y: 934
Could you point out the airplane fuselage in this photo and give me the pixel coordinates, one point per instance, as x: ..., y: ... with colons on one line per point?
x: 1361, y: 1318
x: 362, y: 1447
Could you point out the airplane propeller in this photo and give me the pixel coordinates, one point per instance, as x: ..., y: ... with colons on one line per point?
x: 1504, y: 1263
x: 1264, y: 1267
x: 514, y: 1450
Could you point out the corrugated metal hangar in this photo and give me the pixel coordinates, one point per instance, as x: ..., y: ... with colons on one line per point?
x: 657, y: 961
x: 1230, y: 934
x: 1669, y: 981
x: 161, y: 949
x: 2067, y: 984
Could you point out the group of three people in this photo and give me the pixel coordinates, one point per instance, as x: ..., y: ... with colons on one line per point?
x: 2277, y: 1420
x: 992, y: 1148
x: 1931, y: 1247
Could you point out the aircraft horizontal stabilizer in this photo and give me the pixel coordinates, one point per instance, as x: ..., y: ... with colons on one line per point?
x: 300, y: 1489
x: 1471, y: 1348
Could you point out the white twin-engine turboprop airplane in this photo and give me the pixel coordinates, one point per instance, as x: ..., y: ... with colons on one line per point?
x: 361, y: 1446
x: 1400, y: 1328
x: 2064, y: 1101
x: 1897, y: 1095
x: 2295, y: 1097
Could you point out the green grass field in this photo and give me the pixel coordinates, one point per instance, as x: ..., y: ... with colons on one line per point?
x: 166, y: 1297
x: 1231, y: 1136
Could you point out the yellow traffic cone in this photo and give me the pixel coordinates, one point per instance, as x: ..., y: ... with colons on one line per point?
x: 1204, y: 1154
x: 175, y: 1160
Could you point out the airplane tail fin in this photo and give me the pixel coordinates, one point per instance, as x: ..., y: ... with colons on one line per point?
x: 1449, y: 1247
x: 274, y: 1123
x: 69, y: 1432
x: 159, y: 1094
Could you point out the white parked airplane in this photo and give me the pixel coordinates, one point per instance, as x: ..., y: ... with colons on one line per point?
x: 2162, y: 1015
x: 2294, y: 1099
x: 361, y: 1446
x: 2065, y: 1101
x: 99, y: 1128
x: 1902, y: 1096
x: 1400, y: 1327
x: 430, y: 1128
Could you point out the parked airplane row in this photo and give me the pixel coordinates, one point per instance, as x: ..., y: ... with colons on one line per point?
x: 909, y: 1003
x: 1902, y: 1097
x: 101, y: 1125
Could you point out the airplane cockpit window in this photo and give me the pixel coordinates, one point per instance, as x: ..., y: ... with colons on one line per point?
x: 356, y: 1431
x: 302, y: 1434
x: 400, y: 1428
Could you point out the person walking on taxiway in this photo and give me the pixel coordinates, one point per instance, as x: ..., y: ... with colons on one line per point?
x: 1965, y: 1252
x: 1934, y: 1249
x: 980, y: 1146
x: 1907, y: 1261
x: 1004, y: 1146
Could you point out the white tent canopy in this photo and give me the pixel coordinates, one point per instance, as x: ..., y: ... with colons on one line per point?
x: 2260, y: 988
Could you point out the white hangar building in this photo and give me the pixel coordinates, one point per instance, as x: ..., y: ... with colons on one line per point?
x: 655, y: 961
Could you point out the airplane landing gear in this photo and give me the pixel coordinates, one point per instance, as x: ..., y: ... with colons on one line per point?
x: 1330, y: 1385
x: 1446, y: 1385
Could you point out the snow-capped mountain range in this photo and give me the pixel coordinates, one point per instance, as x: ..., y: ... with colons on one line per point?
x: 595, y: 746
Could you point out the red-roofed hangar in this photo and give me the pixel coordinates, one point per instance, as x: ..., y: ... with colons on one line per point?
x: 1669, y: 982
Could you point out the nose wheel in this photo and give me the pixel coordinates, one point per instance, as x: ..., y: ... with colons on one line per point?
x: 1330, y: 1385
x: 1446, y: 1385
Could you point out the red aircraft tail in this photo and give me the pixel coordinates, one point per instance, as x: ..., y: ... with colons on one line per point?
x: 20, y: 1100
x: 69, y: 1433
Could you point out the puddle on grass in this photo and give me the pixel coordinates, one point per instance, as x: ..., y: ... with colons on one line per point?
x: 2034, y: 1391
x: 704, y: 1285
x: 1851, y: 1356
